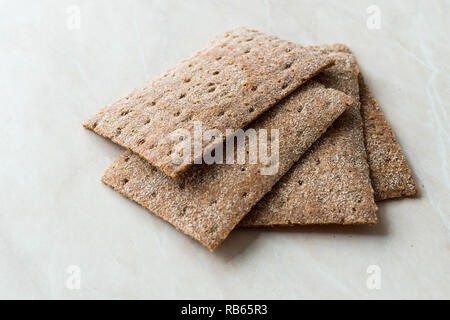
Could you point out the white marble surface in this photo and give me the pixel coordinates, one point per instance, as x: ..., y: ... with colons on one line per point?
x: 55, y: 213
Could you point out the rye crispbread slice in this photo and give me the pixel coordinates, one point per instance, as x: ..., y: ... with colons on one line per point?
x: 228, y: 84
x: 330, y: 184
x: 208, y: 201
x: 389, y: 171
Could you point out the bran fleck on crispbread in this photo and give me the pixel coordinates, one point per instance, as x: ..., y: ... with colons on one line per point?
x: 228, y: 84
x: 389, y: 171
x: 330, y: 184
x: 208, y: 201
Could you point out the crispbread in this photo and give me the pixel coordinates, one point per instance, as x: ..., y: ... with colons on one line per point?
x: 228, y: 84
x: 389, y: 171
x: 330, y: 184
x: 208, y: 201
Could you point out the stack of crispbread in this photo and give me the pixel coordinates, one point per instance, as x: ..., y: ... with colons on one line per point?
x: 337, y: 154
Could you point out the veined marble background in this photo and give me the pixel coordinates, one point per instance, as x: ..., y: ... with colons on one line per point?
x: 63, y: 60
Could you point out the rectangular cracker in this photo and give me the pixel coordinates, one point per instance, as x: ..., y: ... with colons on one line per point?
x: 330, y: 184
x: 208, y: 201
x: 389, y: 171
x: 228, y: 84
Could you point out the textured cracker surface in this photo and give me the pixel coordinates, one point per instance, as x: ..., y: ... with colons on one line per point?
x: 389, y: 170
x: 208, y: 201
x: 330, y: 184
x: 228, y: 84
